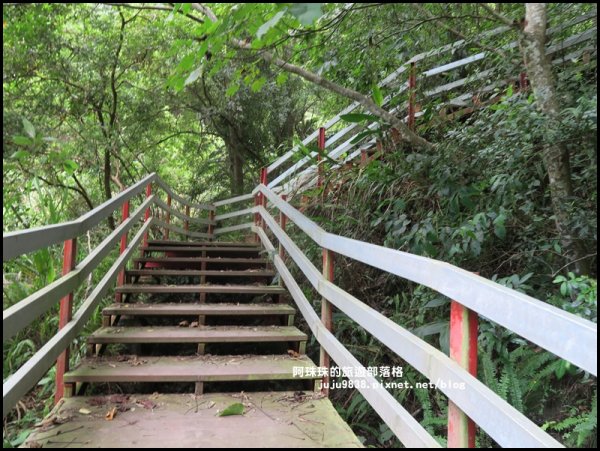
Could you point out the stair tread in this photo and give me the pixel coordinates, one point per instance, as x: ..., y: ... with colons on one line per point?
x: 200, y: 243
x: 200, y: 288
x: 198, y: 309
x: 200, y: 249
x: 189, y: 368
x: 202, y: 259
x: 201, y: 334
x: 199, y: 272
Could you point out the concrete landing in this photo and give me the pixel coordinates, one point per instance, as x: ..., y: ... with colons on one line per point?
x: 270, y: 420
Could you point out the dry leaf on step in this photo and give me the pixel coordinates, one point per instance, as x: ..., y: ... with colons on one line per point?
x: 111, y: 414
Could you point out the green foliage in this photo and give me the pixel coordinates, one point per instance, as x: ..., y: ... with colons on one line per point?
x: 579, y: 429
x: 189, y: 106
x: 578, y: 295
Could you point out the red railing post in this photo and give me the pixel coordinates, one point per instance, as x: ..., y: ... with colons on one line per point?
x: 168, y: 217
x: 326, y: 317
x: 412, y: 85
x: 147, y: 213
x: 186, y: 222
x: 463, y: 349
x: 122, y: 247
x: 363, y: 157
x: 321, y: 146
x: 282, y: 224
x: 65, y: 315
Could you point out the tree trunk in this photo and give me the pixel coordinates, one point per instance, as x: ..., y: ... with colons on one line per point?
x: 555, y: 156
x: 237, y: 173
x: 107, y: 191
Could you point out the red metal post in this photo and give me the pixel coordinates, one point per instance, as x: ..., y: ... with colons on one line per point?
x: 123, y: 246
x: 147, y: 214
x: 186, y: 223
x: 326, y: 316
x: 463, y: 349
x: 321, y: 146
x: 65, y: 315
x: 363, y: 157
x: 412, y: 84
x: 168, y: 217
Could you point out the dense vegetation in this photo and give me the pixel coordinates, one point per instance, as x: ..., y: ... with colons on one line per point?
x: 98, y: 95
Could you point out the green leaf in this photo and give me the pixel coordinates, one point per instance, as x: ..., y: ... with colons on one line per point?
x: 358, y: 117
x: 20, y: 154
x: 258, y: 84
x: 509, y: 91
x: 186, y: 8
x: 430, y: 329
x: 281, y: 78
x: 22, y: 140
x: 29, y: 128
x: 187, y: 62
x: 269, y: 24
x: 70, y: 166
x: 306, y: 13
x: 232, y: 89
x: 563, y: 289
x: 499, y: 228
x: 21, y: 438
x: 561, y: 369
x: 234, y: 409
x: 377, y: 95
x: 193, y: 76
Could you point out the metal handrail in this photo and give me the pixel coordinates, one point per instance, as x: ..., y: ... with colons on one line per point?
x: 570, y: 41
x: 22, y: 242
x: 23, y: 313
x: 20, y: 382
x: 560, y: 332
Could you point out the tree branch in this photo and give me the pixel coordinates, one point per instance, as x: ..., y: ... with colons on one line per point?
x: 157, y: 7
x: 407, y: 134
x: 502, y: 18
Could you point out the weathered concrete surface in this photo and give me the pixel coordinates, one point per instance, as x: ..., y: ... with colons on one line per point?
x: 275, y: 419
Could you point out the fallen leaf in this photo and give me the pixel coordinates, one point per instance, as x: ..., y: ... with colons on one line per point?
x: 194, y: 324
x: 84, y: 411
x: 294, y: 354
x: 111, y: 414
x: 184, y: 323
x: 234, y: 409
x: 137, y: 362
